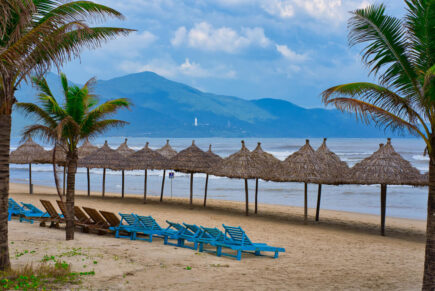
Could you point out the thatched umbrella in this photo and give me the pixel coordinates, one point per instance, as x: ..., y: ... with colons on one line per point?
x: 124, y: 150
x: 146, y: 159
x: 85, y: 150
x: 168, y: 152
x: 270, y: 162
x: 242, y: 165
x: 104, y: 158
x: 27, y: 153
x: 335, y: 172
x: 217, y: 160
x: 385, y: 167
x: 192, y: 160
x: 303, y: 166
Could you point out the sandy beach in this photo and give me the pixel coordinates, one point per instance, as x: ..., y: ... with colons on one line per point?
x: 342, y: 251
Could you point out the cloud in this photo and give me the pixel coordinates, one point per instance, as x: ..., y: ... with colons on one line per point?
x: 283, y: 9
x: 286, y: 52
x: 205, y: 37
x: 170, y: 69
x: 129, y: 46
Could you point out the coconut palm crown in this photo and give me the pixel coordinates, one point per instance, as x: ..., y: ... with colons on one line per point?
x: 401, y: 54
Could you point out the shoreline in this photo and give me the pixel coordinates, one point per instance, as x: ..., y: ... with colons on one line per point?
x: 342, y: 251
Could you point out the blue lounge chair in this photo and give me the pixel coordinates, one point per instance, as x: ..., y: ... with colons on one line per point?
x: 151, y: 228
x: 183, y: 234
x: 16, y: 209
x: 209, y: 236
x: 131, y: 226
x: 236, y: 239
x: 36, y: 212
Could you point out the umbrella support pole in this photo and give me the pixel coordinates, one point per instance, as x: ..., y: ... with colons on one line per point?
x: 256, y: 195
x: 191, y: 190
x: 383, y: 206
x: 305, y: 203
x: 163, y: 185
x: 64, y: 174
x: 319, y: 195
x: 104, y: 182
x: 205, y: 192
x: 246, y: 197
x: 123, y: 180
x: 145, y: 187
x: 30, y: 179
x: 89, y: 182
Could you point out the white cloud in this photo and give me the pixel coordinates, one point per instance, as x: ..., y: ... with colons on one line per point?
x: 129, y: 46
x: 289, y: 54
x: 283, y: 9
x: 170, y: 69
x: 179, y: 36
x: 205, y: 37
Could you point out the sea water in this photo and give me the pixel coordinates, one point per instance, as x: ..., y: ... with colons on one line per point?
x: 402, y: 201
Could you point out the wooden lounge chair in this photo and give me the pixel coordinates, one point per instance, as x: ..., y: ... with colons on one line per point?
x: 81, y: 216
x: 84, y: 224
x: 54, y: 218
x: 111, y: 218
x: 99, y: 222
x: 236, y: 239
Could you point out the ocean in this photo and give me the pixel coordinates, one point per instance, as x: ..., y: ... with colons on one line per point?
x: 402, y: 201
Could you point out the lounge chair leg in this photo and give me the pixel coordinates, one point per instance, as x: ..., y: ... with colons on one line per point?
x: 239, y: 255
x: 165, y: 240
x: 151, y: 238
x: 219, y: 251
x: 257, y: 253
x: 181, y: 242
x: 201, y: 247
x: 195, y: 245
x: 117, y: 234
x: 276, y: 255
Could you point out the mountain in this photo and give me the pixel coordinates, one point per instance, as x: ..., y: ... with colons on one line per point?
x: 164, y: 108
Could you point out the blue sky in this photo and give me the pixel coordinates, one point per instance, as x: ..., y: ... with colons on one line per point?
x: 286, y: 49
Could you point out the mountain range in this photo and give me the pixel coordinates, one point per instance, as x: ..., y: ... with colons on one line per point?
x: 164, y: 108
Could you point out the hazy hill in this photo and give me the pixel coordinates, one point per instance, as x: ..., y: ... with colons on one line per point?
x: 164, y: 108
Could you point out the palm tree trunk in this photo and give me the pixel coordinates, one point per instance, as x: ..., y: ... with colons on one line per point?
x: 5, y: 135
x: 429, y: 260
x: 70, y: 191
x: 205, y: 192
x: 64, y: 173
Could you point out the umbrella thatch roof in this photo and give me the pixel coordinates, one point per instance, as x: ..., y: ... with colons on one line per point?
x: 193, y: 160
x: 303, y: 166
x: 124, y: 150
x: 146, y: 158
x: 104, y: 157
x: 167, y: 151
x: 385, y: 166
x: 28, y: 152
x: 86, y: 149
x: 60, y: 156
x: 216, y: 157
x: 336, y: 170
x: 242, y: 165
x: 269, y: 161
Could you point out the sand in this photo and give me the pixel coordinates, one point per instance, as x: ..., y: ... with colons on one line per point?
x: 342, y: 251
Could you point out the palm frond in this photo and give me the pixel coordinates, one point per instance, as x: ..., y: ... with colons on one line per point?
x: 42, y: 131
x: 36, y: 111
x: 100, y: 127
x: 386, y: 49
x: 367, y: 112
x: 42, y: 85
x: 64, y: 82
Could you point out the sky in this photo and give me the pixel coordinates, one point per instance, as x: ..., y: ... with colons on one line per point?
x: 252, y: 49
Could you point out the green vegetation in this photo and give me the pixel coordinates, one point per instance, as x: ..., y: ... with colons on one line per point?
x: 401, y: 53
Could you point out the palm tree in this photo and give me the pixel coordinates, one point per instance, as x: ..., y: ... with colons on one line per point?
x: 401, y: 53
x: 79, y: 118
x: 34, y: 35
